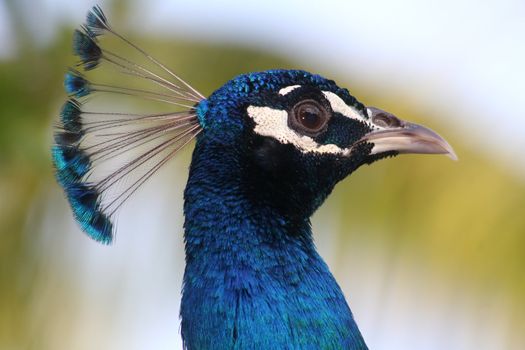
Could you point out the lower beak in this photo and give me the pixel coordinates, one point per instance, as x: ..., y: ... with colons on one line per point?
x: 404, y: 137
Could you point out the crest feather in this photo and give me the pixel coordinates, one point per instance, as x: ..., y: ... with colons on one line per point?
x: 102, y: 158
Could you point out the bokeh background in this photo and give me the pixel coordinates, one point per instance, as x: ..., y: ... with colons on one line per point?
x: 430, y: 253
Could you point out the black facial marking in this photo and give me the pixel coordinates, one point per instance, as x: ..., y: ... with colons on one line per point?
x: 268, y: 155
x: 342, y: 131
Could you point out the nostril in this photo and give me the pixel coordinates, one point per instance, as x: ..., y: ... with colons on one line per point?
x: 381, y: 120
x: 384, y: 119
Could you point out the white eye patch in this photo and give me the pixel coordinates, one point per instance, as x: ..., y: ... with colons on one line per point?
x: 288, y: 89
x: 274, y: 123
x: 339, y: 106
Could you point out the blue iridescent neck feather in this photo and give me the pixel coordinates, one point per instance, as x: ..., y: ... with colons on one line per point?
x: 253, y: 277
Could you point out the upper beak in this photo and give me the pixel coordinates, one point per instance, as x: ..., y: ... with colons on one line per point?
x: 404, y: 137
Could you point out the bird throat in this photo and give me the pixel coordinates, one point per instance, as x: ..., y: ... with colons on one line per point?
x: 253, y: 278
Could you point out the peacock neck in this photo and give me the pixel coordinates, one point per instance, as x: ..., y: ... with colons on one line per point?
x: 253, y: 278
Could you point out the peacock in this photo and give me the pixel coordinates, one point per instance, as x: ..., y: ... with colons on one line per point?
x: 269, y: 148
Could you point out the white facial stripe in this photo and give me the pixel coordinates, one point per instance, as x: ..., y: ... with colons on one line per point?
x: 288, y: 89
x: 339, y: 106
x: 274, y: 123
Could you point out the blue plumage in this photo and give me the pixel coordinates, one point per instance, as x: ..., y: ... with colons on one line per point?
x: 85, y: 203
x: 70, y: 116
x: 76, y: 85
x: 85, y: 47
x: 253, y: 276
x: 96, y: 21
x: 270, y: 147
x: 71, y: 164
x: 253, y: 279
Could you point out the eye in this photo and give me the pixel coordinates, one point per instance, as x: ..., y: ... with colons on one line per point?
x: 309, y: 117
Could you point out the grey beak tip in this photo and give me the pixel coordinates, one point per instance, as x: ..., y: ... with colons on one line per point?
x: 452, y: 155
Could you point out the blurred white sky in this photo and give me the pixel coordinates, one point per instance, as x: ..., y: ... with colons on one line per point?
x: 461, y: 57
x: 467, y: 55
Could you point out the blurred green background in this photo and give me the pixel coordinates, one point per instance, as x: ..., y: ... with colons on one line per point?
x: 429, y: 252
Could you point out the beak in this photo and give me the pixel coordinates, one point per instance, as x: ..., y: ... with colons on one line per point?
x: 400, y: 136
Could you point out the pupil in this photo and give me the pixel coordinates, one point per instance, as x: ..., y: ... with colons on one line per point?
x: 309, y: 117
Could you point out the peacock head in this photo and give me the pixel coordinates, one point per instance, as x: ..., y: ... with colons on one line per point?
x: 299, y: 133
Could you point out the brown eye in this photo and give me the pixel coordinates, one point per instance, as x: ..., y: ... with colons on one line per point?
x: 309, y: 116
